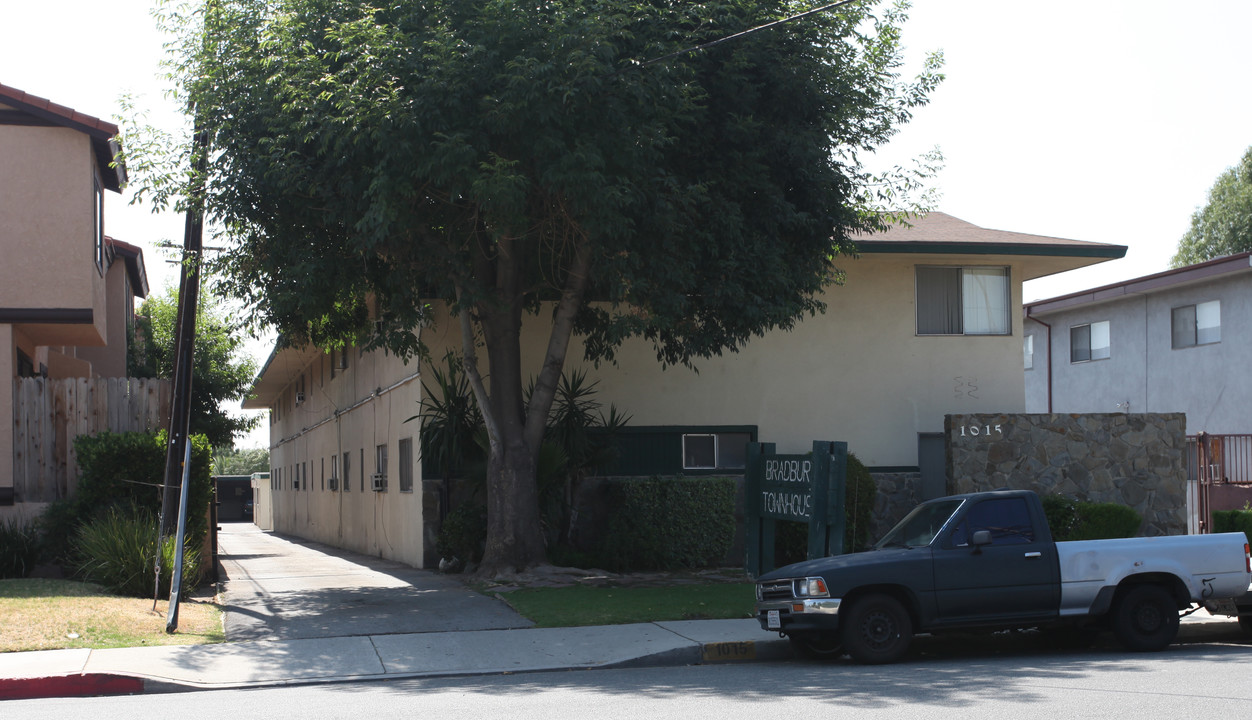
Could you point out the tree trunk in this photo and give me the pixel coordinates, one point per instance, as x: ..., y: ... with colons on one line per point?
x: 515, y: 538
x: 514, y: 535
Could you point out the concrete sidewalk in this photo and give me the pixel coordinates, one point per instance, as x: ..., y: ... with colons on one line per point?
x: 374, y: 657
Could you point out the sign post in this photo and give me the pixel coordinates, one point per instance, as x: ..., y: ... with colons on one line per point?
x: 806, y: 488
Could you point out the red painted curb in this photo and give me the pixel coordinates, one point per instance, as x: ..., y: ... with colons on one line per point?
x: 68, y: 686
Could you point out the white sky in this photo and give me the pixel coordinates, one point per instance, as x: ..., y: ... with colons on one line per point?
x: 1101, y: 120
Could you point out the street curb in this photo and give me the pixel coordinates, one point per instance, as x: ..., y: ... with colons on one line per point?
x: 86, y: 685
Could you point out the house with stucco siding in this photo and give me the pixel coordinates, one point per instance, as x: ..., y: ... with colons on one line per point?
x: 67, y: 289
x: 1174, y: 341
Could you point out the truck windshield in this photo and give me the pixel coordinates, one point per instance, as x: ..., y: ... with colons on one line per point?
x: 920, y: 526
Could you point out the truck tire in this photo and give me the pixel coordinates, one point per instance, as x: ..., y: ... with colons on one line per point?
x: 1146, y: 618
x: 816, y: 645
x: 877, y: 630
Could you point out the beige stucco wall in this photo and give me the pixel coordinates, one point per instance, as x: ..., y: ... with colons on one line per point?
x: 858, y: 373
x: 8, y: 369
x: 48, y: 218
x: 110, y: 360
x: 373, y: 397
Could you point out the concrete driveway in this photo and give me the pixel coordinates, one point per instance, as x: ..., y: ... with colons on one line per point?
x: 282, y: 588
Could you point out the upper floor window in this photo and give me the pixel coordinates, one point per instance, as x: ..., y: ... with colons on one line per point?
x: 98, y: 209
x: 1199, y: 324
x: 1089, y: 342
x: 963, y: 301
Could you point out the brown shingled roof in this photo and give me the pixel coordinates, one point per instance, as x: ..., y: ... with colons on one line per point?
x: 102, y: 133
x: 940, y: 232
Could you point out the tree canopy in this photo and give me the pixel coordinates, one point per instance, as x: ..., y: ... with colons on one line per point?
x: 1224, y: 225
x: 220, y: 372
x: 370, y: 158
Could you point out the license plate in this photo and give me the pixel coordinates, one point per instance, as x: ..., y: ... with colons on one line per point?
x: 1224, y: 606
x: 772, y: 621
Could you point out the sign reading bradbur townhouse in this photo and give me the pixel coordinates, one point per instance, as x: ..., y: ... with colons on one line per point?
x: 805, y: 488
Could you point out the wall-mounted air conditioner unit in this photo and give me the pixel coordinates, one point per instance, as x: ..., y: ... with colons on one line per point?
x: 299, y: 398
x: 378, y: 482
x: 332, y: 483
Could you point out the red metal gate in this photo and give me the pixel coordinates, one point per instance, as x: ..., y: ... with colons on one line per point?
x: 1219, y: 473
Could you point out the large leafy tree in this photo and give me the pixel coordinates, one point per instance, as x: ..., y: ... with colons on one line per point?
x: 220, y: 372
x: 1224, y: 225
x: 562, y: 157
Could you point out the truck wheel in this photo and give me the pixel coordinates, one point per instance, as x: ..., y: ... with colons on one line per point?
x: 1245, y: 623
x: 877, y: 630
x: 1146, y: 618
x: 816, y: 646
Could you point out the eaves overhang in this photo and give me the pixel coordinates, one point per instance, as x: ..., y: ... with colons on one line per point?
x: 282, y: 367
x: 34, y: 110
x: 1096, y: 251
x: 1239, y: 262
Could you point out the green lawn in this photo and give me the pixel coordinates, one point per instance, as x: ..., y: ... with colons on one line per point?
x: 581, y: 605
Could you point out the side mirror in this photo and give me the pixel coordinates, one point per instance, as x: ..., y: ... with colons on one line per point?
x: 980, y: 538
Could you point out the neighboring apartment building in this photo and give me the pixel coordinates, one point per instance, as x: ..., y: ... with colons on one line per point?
x: 928, y: 323
x: 1175, y: 341
x: 67, y: 289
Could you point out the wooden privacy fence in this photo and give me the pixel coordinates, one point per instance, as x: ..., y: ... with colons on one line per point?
x: 49, y: 414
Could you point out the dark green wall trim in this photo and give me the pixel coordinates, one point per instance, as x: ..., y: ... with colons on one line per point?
x: 884, y: 469
x: 689, y: 429
x: 47, y: 316
x: 645, y: 450
x: 956, y: 248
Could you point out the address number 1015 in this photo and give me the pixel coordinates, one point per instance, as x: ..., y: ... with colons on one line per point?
x: 980, y: 430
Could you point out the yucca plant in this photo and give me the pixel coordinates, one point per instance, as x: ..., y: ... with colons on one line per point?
x: 117, y: 551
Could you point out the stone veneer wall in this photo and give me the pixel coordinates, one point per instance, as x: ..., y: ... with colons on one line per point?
x: 897, y: 494
x: 1136, y: 460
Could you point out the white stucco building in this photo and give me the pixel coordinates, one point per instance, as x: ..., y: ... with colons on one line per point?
x: 928, y: 323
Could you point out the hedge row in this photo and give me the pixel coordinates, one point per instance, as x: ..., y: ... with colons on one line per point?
x: 1070, y: 519
x: 1233, y: 521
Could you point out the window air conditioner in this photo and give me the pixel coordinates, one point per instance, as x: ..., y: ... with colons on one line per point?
x: 299, y: 398
x: 378, y: 482
x: 332, y: 483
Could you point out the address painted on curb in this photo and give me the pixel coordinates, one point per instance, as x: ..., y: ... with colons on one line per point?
x: 726, y: 651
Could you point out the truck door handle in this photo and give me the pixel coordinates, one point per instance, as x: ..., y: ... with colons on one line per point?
x: 1034, y: 554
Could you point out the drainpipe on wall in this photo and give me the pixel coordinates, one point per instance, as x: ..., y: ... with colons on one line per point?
x: 1049, y: 356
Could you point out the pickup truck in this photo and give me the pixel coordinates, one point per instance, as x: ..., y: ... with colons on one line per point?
x: 987, y: 561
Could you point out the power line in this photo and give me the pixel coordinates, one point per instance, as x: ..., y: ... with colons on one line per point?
x: 749, y: 31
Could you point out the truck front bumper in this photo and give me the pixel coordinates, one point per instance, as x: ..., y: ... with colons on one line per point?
x: 799, y: 615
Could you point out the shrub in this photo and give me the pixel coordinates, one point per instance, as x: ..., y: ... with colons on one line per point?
x: 1098, y: 521
x: 463, y: 534
x: 19, y: 548
x: 667, y: 523
x: 1061, y: 513
x: 1233, y: 521
x: 791, y: 539
x: 118, y: 551
x: 125, y: 470
x: 1077, y: 520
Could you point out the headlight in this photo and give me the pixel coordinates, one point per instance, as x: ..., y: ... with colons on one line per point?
x: 811, y: 587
